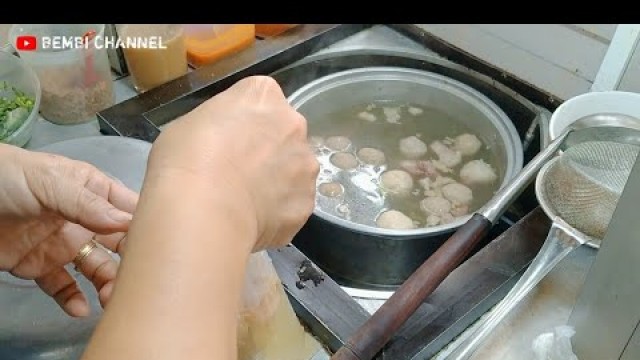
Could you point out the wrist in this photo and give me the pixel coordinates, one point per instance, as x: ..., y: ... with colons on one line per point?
x: 224, y: 203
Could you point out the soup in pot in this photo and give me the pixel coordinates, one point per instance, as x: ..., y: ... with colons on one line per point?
x: 401, y: 166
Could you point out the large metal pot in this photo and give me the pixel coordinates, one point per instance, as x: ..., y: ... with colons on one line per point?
x: 368, y: 256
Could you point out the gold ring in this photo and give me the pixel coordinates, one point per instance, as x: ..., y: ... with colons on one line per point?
x: 84, y: 252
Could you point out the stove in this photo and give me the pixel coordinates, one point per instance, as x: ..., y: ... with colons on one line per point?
x: 331, y: 307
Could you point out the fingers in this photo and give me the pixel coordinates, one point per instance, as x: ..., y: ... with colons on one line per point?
x: 101, y: 269
x: 63, y: 288
x: 114, y: 242
x: 92, y: 211
x: 122, y: 197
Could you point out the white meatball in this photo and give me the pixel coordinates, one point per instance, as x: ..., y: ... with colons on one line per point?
x: 345, y: 161
x: 457, y: 193
x: 371, y: 156
x: 414, y: 110
x: 397, y: 182
x: 412, y: 147
x: 367, y: 116
x: 392, y: 114
x: 316, y: 141
x: 477, y: 172
x: 433, y: 220
x: 459, y: 210
x: 393, y: 219
x: 338, y: 143
x: 425, y: 183
x: 331, y: 189
x: 446, y: 218
x: 467, y: 144
x: 435, y: 206
x: 441, y: 181
x: 450, y: 158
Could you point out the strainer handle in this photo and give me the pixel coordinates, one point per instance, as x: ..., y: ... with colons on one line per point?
x: 556, y: 247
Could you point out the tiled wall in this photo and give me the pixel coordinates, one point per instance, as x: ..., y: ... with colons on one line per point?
x: 562, y: 59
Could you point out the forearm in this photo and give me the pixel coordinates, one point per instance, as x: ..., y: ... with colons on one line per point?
x: 179, y: 284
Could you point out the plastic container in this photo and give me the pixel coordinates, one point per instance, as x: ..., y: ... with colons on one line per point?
x: 18, y: 74
x: 208, y: 43
x: 5, y: 42
x: 151, y: 67
x: 271, y: 30
x: 75, y: 80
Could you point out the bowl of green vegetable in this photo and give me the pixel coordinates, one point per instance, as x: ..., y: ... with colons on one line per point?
x: 19, y: 100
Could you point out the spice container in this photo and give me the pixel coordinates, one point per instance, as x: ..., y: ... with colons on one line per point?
x: 5, y: 43
x: 271, y: 30
x: 150, y: 67
x: 208, y: 43
x: 74, y: 73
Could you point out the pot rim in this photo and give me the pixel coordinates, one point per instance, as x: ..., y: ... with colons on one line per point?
x: 501, y: 121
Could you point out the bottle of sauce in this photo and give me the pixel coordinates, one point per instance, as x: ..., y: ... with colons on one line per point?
x: 151, y: 67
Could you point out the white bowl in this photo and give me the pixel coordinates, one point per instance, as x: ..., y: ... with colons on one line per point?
x: 620, y: 102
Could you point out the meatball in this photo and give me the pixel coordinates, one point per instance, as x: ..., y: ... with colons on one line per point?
x: 397, y: 182
x: 450, y: 158
x: 441, y: 181
x: 412, y: 147
x: 459, y: 210
x: 477, y: 172
x: 345, y: 161
x: 367, y: 116
x: 457, y: 193
x: 446, y: 218
x: 372, y: 156
x: 338, y: 143
x: 331, y: 189
x: 393, y: 219
x: 435, y: 206
x: 467, y: 144
x: 414, y: 110
x: 392, y: 114
x: 425, y: 183
x: 433, y: 220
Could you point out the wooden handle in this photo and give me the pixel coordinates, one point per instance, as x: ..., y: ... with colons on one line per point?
x: 376, y: 332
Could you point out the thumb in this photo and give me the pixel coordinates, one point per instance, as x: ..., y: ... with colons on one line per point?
x: 94, y: 212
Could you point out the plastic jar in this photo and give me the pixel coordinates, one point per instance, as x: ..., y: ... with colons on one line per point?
x: 151, y: 67
x: 75, y: 80
x: 271, y: 30
x: 208, y: 43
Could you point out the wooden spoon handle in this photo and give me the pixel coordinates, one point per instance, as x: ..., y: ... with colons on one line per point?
x: 371, y: 337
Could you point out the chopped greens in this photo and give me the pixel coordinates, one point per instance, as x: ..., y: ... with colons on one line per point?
x: 15, y: 107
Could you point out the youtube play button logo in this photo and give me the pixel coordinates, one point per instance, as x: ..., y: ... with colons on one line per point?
x: 26, y: 43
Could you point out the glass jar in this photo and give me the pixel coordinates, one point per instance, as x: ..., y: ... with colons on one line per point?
x: 75, y: 78
x: 151, y: 67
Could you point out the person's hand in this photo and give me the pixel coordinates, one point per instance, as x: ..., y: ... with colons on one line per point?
x: 251, y: 144
x: 50, y: 207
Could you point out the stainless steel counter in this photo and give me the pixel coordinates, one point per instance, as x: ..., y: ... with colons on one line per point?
x: 548, y: 305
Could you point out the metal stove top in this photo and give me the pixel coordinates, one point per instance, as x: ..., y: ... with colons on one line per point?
x: 333, y: 311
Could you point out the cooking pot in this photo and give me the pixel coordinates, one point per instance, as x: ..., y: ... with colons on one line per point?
x: 368, y: 255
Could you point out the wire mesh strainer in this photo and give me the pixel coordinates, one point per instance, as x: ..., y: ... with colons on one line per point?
x: 579, y: 191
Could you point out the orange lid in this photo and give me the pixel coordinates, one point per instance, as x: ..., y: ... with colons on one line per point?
x: 203, y: 50
x: 266, y: 30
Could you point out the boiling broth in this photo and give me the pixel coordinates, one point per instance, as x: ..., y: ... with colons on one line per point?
x: 382, y: 125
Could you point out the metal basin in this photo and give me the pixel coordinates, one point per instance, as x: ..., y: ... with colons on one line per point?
x: 368, y: 255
